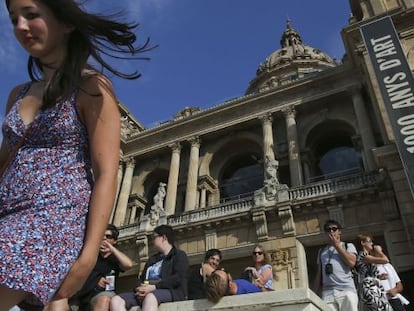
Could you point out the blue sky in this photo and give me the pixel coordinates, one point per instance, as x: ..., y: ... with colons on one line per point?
x: 208, y: 50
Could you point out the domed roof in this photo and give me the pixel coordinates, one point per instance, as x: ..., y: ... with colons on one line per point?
x: 293, y: 61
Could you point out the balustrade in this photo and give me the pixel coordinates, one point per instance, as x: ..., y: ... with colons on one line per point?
x: 244, y: 204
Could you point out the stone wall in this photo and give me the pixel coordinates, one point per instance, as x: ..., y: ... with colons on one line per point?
x: 293, y: 300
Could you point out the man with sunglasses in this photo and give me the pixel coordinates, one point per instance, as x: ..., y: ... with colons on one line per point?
x: 98, y: 289
x: 334, y: 275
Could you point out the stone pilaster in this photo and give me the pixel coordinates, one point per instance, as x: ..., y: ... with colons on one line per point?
x: 211, y: 239
x: 191, y: 191
x: 296, y: 177
x: 365, y: 130
x: 259, y: 219
x: 389, y: 205
x: 171, y: 198
x: 119, y: 217
x: 142, y: 243
x: 286, y: 218
x: 336, y: 212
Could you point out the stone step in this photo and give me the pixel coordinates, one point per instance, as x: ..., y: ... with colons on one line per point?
x: 299, y: 299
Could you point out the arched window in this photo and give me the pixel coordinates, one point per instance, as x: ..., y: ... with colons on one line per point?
x: 333, y: 151
x: 241, y: 176
x: 339, y: 161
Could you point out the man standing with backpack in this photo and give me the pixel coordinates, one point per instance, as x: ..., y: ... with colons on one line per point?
x: 334, y: 276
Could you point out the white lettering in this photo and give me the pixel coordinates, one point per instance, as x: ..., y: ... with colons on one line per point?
x: 407, y: 130
x: 392, y: 79
x: 409, y: 140
x: 394, y: 87
x: 384, y: 49
x: 374, y: 41
x: 408, y: 102
x: 406, y: 120
x: 389, y: 64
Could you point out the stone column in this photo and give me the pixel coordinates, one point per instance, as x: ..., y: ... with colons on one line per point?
x: 191, y: 191
x: 133, y: 214
x: 119, y: 218
x: 118, y: 187
x: 171, y: 197
x: 295, y: 166
x: 365, y: 130
x: 203, y: 197
x: 267, y: 120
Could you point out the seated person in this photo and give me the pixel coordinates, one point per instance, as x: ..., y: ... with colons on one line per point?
x: 163, y: 278
x: 200, y: 273
x: 95, y: 293
x: 261, y: 272
x: 220, y: 283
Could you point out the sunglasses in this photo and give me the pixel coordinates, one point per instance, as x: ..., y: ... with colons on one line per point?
x: 257, y: 253
x: 109, y: 236
x: 331, y: 229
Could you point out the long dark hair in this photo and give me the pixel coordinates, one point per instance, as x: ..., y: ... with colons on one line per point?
x: 93, y: 35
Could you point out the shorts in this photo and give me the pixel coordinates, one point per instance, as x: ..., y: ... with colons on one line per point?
x: 162, y: 295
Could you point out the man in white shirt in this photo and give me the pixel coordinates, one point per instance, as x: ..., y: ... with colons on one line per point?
x: 392, y: 286
x: 334, y: 275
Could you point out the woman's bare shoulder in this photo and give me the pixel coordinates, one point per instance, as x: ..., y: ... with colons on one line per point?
x: 13, y: 95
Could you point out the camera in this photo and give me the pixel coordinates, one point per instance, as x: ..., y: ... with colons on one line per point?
x: 328, y: 268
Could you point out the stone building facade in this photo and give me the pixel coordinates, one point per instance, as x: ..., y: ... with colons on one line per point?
x: 310, y: 140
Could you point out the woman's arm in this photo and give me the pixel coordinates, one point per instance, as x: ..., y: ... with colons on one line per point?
x: 379, y: 258
x: 4, y: 154
x: 124, y: 261
x: 101, y: 117
x: 264, y: 276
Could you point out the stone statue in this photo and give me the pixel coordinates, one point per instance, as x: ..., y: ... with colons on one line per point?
x: 128, y: 127
x: 271, y: 166
x: 157, y: 209
x: 272, y: 190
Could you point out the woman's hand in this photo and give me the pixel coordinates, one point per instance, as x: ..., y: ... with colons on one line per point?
x: 254, y: 271
x: 143, y: 290
x: 77, y: 275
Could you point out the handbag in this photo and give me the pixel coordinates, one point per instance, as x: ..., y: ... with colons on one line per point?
x: 13, y: 153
